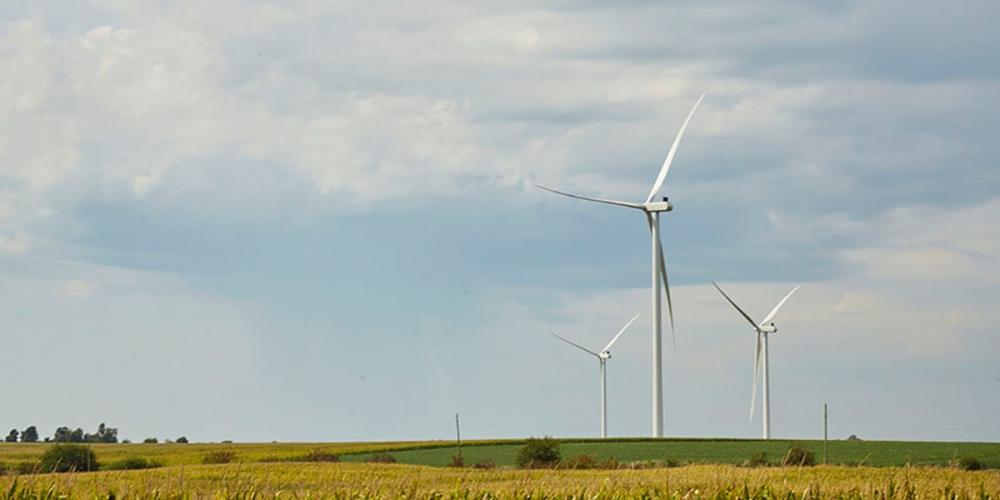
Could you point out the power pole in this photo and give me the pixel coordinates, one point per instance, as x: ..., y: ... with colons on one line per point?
x: 458, y: 435
x: 826, y: 436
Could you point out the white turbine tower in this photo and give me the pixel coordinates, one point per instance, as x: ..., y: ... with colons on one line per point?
x: 603, y: 357
x: 652, y: 211
x: 762, y: 329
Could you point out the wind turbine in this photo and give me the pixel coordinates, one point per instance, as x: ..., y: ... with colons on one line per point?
x: 652, y: 210
x: 763, y: 329
x: 603, y: 356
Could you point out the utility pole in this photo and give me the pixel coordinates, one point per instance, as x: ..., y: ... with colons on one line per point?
x: 826, y: 436
x: 458, y: 435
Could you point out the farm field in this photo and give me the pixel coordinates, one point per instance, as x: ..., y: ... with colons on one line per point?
x: 352, y: 480
x: 735, y: 451
x: 503, y: 452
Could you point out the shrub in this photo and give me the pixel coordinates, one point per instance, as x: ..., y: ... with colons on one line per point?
x: 539, y: 453
x: 133, y: 463
x: 457, y: 460
x: 150, y: 441
x: 970, y: 463
x: 382, y: 458
x: 219, y: 457
x: 486, y: 463
x: 68, y: 458
x: 22, y: 468
x: 588, y: 462
x: 318, y: 456
x: 182, y: 440
x: 758, y: 460
x: 800, y: 456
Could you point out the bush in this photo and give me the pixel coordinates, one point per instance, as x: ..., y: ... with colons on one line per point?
x: 652, y: 464
x: 22, y: 468
x: 457, y: 460
x: 219, y: 457
x: 799, y: 456
x: 382, y: 458
x: 68, y: 458
x: 486, y: 463
x: 758, y: 460
x: 318, y: 456
x: 539, y: 453
x: 150, y: 441
x: 133, y: 463
x: 182, y: 440
x: 970, y: 463
x: 588, y: 462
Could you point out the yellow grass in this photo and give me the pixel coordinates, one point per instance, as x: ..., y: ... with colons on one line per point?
x: 347, y: 480
x: 193, y: 453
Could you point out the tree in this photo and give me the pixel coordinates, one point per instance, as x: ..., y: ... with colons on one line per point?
x: 64, y: 435
x: 30, y: 435
x: 181, y: 440
x: 103, y: 435
x: 12, y: 437
x: 150, y: 441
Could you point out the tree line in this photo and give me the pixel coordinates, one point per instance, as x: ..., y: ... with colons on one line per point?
x: 104, y: 434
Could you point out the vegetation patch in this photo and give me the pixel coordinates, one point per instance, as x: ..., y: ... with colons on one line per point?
x: 132, y: 463
x: 756, y: 460
x: 970, y: 463
x: 68, y: 458
x: 219, y: 457
x: 798, y: 456
x: 539, y: 453
x: 382, y: 458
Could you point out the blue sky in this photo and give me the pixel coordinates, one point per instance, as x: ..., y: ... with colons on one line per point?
x: 236, y: 220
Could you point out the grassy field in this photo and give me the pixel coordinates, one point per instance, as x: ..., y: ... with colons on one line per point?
x: 374, y: 481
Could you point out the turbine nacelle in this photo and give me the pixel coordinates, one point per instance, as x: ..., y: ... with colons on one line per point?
x: 768, y: 328
x: 605, y: 355
x: 658, y: 206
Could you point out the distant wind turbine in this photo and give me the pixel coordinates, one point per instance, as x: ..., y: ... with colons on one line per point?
x: 762, y: 329
x: 603, y: 357
x: 652, y: 211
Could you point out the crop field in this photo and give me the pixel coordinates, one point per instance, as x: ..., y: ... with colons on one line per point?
x: 709, y: 451
x: 502, y: 452
x: 350, y: 480
x: 707, y: 470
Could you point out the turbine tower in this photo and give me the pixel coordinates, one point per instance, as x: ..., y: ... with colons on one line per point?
x: 603, y: 357
x: 652, y: 210
x: 762, y: 329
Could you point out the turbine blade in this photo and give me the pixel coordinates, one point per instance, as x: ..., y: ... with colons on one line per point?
x: 666, y: 283
x: 742, y: 312
x: 574, y: 344
x: 620, y: 332
x: 756, y: 369
x: 588, y: 198
x: 666, y: 289
x: 670, y: 155
x: 774, y: 311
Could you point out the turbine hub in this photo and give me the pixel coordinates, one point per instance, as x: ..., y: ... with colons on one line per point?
x: 605, y: 355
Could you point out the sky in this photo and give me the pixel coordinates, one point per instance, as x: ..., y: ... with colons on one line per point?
x: 317, y: 221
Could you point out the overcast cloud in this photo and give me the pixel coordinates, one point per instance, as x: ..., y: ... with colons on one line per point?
x: 304, y: 221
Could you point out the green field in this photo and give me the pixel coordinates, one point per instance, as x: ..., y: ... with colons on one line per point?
x: 871, y: 453
x: 503, y: 452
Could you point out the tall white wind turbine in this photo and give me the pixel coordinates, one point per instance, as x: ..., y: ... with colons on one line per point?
x: 762, y: 329
x: 652, y: 210
x: 603, y: 356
